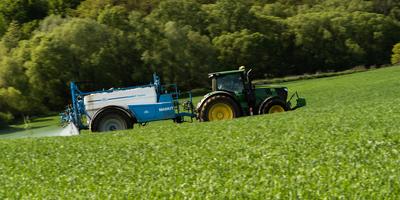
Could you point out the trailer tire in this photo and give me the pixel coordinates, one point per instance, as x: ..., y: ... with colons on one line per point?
x: 111, y: 120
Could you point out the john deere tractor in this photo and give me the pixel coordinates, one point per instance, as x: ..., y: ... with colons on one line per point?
x: 234, y: 95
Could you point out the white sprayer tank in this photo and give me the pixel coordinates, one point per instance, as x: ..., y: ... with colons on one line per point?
x: 121, y: 98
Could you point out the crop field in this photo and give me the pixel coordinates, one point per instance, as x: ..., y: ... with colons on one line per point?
x: 344, y: 145
x: 38, y: 127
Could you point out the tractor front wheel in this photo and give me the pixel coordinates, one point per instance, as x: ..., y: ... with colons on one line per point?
x: 219, y: 107
x: 274, y: 106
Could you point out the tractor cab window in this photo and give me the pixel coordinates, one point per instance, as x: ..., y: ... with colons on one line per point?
x: 232, y: 82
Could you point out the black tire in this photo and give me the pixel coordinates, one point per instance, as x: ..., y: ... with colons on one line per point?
x: 111, y: 120
x: 221, y: 100
x: 271, y: 104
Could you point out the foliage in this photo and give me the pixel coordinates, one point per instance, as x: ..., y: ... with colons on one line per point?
x: 62, y: 7
x: 396, y: 54
x: 187, y: 68
x: 190, y: 14
x: 92, y: 8
x: 336, y: 147
x: 11, y: 103
x: 230, y: 16
x: 249, y: 49
x: 3, y: 25
x: 23, y: 10
x: 11, y: 37
x: 5, y: 118
x: 276, y: 9
x: 115, y: 17
x: 334, y: 39
x: 46, y: 44
x: 235, y: 48
x: 80, y: 49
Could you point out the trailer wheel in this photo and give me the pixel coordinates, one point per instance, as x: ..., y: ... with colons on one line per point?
x: 274, y: 106
x: 219, y: 107
x: 111, y: 120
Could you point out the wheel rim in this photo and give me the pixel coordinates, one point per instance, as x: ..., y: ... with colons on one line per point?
x: 276, y: 109
x: 220, y: 111
x: 112, y: 123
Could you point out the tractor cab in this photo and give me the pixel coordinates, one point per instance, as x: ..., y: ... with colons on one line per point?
x: 235, y: 81
x: 231, y: 81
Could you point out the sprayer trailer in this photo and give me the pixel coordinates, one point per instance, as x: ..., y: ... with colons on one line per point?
x: 120, y: 109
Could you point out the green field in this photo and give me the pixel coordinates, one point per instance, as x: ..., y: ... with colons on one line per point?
x: 344, y: 145
x: 37, y: 127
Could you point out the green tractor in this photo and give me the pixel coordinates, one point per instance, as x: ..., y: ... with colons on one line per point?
x: 234, y: 95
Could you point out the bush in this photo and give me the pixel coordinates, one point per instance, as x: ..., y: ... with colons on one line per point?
x: 12, y: 102
x: 396, y: 54
x: 5, y: 118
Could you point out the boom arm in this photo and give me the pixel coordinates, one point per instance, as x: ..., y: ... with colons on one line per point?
x: 75, y: 111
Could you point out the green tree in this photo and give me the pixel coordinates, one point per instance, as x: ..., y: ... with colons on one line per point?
x: 275, y: 9
x: 80, y: 49
x: 126, y: 50
x: 11, y: 67
x: 3, y: 25
x: 23, y: 10
x: 11, y: 38
x: 230, y: 16
x: 337, y: 40
x: 385, y: 6
x: 186, y: 12
x: 5, y: 118
x: 184, y: 55
x: 253, y: 50
x: 92, y: 8
x: 12, y: 102
x: 62, y: 7
x: 341, y: 5
x: 396, y: 54
x: 116, y: 16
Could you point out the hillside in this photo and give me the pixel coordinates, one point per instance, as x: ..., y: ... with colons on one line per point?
x: 344, y: 144
x: 45, y: 44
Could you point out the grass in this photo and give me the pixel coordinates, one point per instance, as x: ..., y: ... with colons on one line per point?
x: 36, y: 127
x: 311, y: 76
x: 344, y: 145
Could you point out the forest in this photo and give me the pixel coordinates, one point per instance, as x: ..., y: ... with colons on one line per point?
x: 45, y: 44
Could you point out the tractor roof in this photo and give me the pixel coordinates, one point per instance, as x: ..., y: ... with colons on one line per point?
x: 211, y: 75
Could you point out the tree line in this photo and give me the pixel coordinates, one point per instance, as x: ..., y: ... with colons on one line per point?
x: 45, y: 44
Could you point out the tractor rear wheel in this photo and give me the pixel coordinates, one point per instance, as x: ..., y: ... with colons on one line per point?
x: 111, y: 120
x: 274, y: 106
x: 219, y: 107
